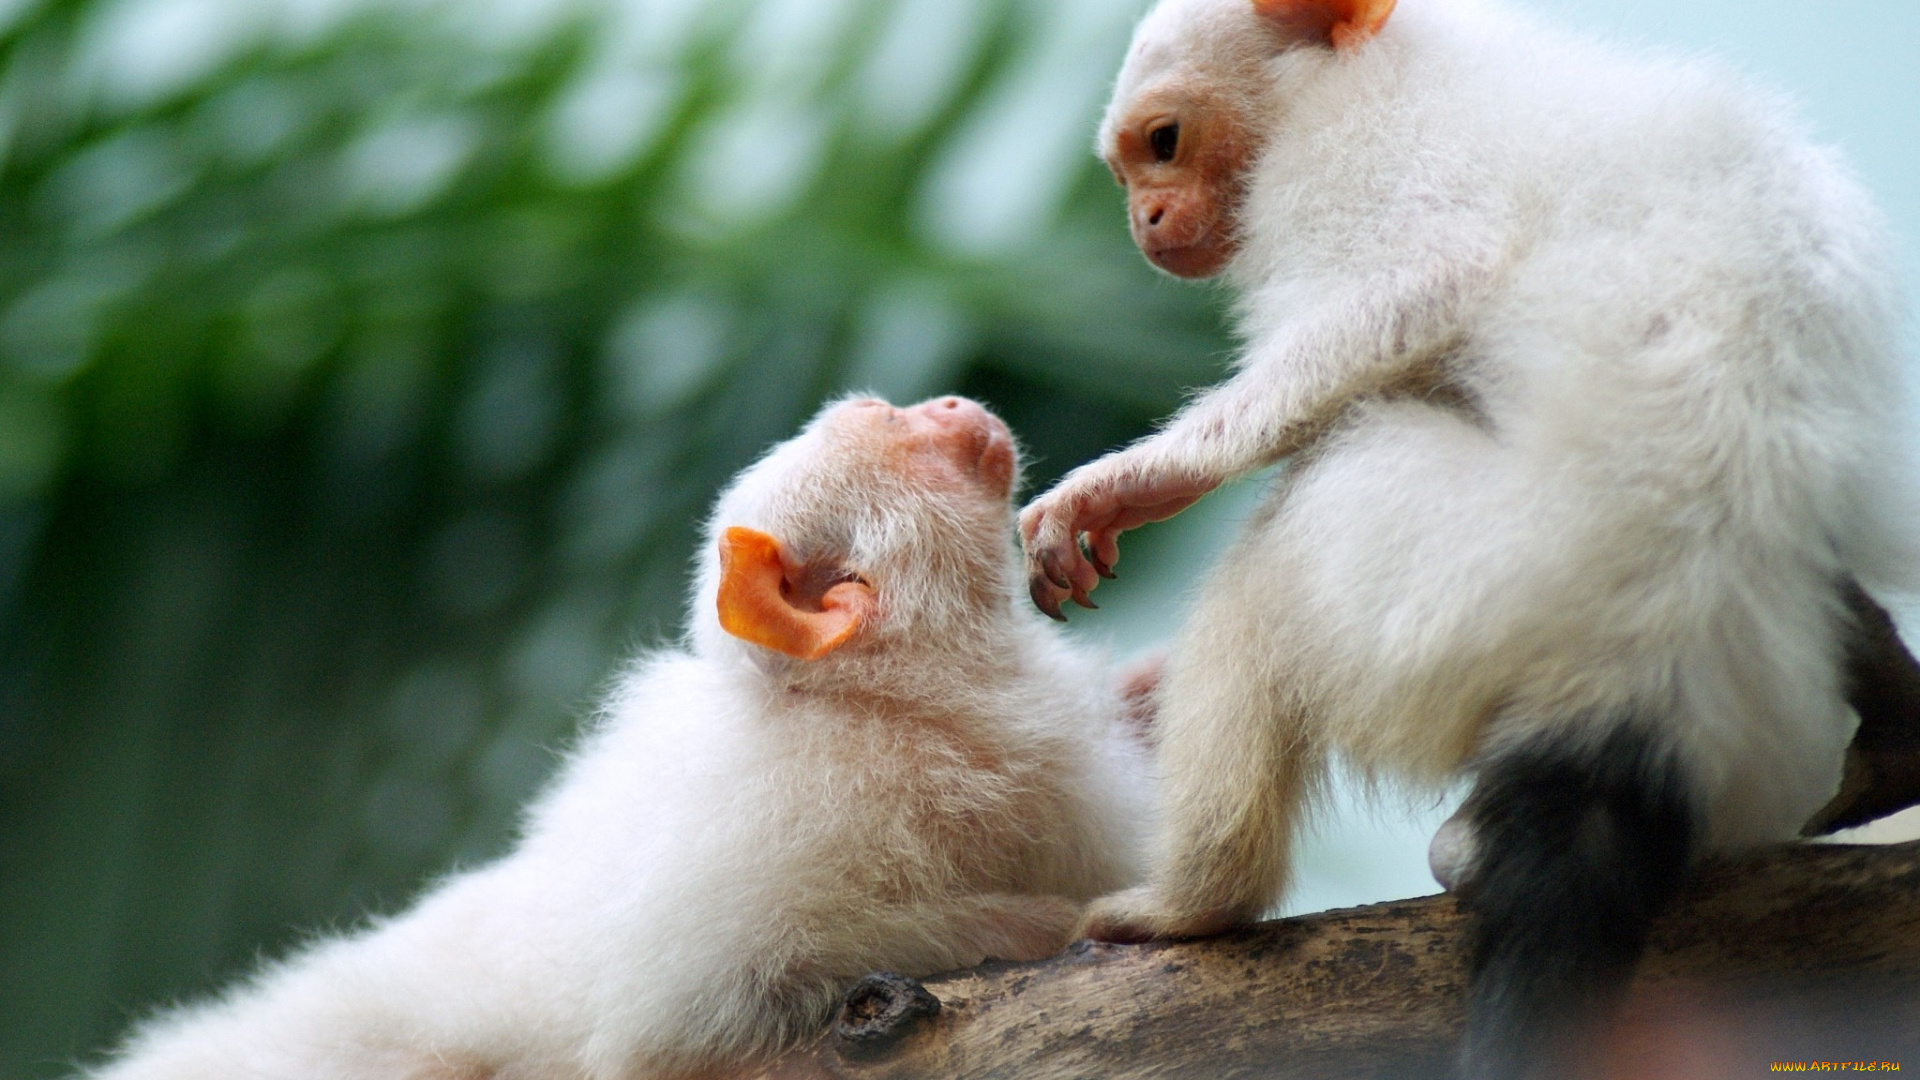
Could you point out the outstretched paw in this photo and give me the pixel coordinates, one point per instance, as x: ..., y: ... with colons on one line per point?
x: 1071, y: 534
x: 1137, y: 915
x: 1058, y: 568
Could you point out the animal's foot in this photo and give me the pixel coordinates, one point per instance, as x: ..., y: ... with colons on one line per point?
x: 1140, y: 915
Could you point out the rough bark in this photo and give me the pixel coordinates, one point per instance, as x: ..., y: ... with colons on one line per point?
x: 1808, y: 952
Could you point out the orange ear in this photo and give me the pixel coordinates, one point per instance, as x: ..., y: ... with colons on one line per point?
x: 1343, y: 24
x: 762, y: 600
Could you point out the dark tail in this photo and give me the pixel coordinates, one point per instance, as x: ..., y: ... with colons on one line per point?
x: 1578, y: 845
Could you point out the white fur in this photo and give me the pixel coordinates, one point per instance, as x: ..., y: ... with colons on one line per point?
x: 1674, y: 319
x: 740, y: 836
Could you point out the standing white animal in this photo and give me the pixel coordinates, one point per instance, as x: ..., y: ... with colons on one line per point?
x: 870, y: 755
x: 1585, y: 366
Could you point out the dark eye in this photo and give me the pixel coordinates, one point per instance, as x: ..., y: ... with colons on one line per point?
x: 1164, y: 140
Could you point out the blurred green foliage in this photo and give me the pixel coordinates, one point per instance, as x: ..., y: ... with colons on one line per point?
x: 365, y: 370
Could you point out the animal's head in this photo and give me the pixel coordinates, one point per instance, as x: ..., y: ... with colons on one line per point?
x: 877, y: 530
x: 1189, y: 110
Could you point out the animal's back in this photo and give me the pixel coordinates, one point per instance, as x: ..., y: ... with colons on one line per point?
x: 1680, y: 428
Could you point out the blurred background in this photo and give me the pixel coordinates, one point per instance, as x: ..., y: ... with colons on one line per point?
x: 366, y: 367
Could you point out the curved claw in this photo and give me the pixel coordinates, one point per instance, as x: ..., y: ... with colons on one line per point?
x: 1050, y: 568
x: 1103, y: 551
x: 1044, y: 599
x: 1080, y: 597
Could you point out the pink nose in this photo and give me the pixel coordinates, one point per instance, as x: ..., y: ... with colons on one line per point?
x: 971, y: 434
x: 951, y: 410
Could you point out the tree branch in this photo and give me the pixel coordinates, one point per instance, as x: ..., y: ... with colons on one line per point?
x: 1807, y: 952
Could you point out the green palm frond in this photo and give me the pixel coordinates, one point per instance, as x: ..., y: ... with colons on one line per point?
x: 365, y: 370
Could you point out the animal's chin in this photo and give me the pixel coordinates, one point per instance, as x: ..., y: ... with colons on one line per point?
x: 1192, y: 261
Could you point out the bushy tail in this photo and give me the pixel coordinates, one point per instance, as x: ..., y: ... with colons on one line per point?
x: 1578, y: 846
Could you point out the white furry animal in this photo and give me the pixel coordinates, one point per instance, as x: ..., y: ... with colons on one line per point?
x: 870, y: 755
x: 1585, y: 366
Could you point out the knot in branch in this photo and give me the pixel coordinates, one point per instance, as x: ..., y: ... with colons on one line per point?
x: 879, y: 1011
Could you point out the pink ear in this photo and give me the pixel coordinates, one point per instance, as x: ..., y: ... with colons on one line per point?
x: 759, y: 602
x: 1343, y: 24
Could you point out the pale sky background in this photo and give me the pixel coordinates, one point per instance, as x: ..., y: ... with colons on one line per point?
x: 1855, y: 69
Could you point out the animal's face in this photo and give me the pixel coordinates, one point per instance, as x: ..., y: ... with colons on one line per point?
x: 1180, y: 149
x: 946, y: 449
x: 1189, y: 109
x: 876, y: 523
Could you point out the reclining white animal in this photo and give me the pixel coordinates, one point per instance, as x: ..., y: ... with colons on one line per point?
x: 871, y: 755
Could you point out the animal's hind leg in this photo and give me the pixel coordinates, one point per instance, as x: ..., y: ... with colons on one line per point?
x: 1579, y: 841
x: 1321, y: 624
x: 1237, y: 763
